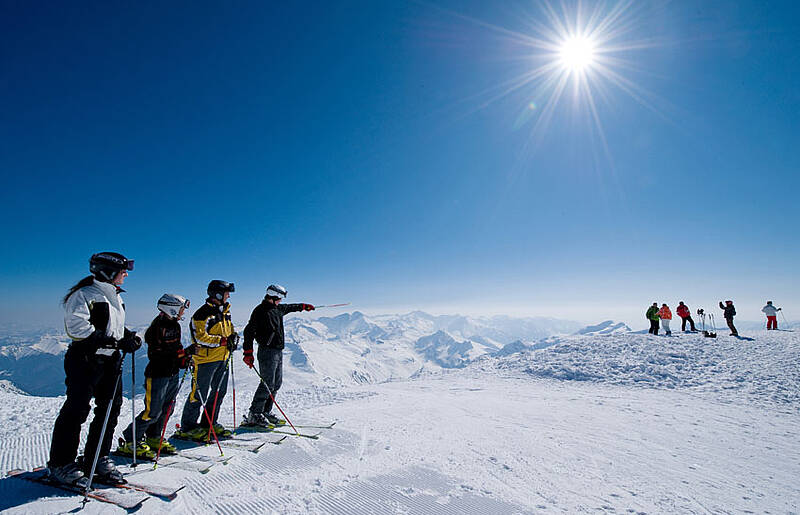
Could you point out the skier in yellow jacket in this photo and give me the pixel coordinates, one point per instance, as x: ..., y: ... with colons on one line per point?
x: 213, y: 339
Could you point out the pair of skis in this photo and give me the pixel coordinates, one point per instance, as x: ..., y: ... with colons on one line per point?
x: 280, y: 429
x: 129, y: 496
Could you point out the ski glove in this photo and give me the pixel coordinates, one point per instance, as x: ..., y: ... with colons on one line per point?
x: 183, y: 359
x: 98, y: 340
x: 307, y: 307
x: 248, y: 358
x: 233, y: 342
x: 130, y: 342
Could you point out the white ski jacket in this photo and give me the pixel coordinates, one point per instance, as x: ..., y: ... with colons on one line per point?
x: 88, y: 304
x: 770, y: 310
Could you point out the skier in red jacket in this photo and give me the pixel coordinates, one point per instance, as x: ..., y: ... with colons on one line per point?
x: 685, y: 313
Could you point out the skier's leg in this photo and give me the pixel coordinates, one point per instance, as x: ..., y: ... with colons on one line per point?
x: 160, y: 411
x: 110, y: 380
x: 221, y: 384
x: 80, y: 381
x: 691, y: 323
x: 278, y: 377
x: 266, y: 367
x: 155, y: 391
x: 201, y: 380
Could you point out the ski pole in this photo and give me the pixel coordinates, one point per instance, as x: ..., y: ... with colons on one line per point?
x: 103, y: 429
x: 133, y: 404
x: 269, y: 391
x: 332, y: 305
x: 233, y: 380
x: 166, y: 419
x: 785, y: 323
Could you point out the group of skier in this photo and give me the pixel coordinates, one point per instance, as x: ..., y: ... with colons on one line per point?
x: 655, y: 314
x: 95, y: 321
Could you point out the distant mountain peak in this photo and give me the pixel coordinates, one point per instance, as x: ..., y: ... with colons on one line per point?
x: 605, y: 327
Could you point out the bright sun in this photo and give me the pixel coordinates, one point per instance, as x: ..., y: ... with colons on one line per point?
x: 577, y: 53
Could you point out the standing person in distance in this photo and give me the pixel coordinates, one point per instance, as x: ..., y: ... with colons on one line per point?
x: 729, y: 313
x: 666, y: 317
x: 167, y: 357
x: 95, y: 321
x: 652, y: 316
x: 213, y: 340
x: 685, y: 313
x: 266, y: 327
x: 772, y: 315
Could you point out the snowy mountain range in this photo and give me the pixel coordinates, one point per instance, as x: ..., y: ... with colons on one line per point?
x: 351, y: 347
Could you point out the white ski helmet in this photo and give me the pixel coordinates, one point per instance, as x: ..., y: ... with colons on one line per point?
x: 171, y: 304
x: 277, y: 291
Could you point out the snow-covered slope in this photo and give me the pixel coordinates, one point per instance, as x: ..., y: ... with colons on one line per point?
x: 622, y: 422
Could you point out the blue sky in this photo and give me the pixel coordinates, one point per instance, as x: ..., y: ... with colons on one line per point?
x: 358, y: 152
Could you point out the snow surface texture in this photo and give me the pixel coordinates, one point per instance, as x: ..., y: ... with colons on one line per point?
x: 612, y: 422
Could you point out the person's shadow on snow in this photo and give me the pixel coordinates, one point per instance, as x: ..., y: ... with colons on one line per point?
x: 745, y: 338
x: 16, y: 492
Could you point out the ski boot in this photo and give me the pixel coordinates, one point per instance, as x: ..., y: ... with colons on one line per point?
x: 275, y: 421
x: 105, y: 472
x: 142, y: 450
x: 221, y: 432
x: 166, y: 447
x: 256, y: 420
x: 198, y: 434
x: 69, y: 474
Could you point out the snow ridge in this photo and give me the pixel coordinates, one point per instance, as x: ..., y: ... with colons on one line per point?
x: 765, y: 367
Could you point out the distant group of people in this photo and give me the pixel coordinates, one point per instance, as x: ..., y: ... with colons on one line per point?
x: 663, y: 314
x: 95, y: 321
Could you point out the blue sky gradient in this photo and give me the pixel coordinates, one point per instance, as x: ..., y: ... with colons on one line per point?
x: 353, y: 152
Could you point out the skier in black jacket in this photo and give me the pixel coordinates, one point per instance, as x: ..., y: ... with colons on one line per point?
x: 729, y: 313
x: 167, y: 357
x: 266, y: 327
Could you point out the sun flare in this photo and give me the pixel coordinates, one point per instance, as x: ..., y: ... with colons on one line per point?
x: 577, y: 53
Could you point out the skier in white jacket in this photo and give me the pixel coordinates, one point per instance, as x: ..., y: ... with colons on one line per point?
x: 772, y: 315
x: 95, y: 321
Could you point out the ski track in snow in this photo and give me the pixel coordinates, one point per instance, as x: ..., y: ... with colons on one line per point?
x: 619, y: 423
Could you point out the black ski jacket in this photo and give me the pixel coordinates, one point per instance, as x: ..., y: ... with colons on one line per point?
x: 266, y: 325
x: 163, y: 339
x: 730, y: 311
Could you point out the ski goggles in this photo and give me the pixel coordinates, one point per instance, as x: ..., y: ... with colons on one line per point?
x: 108, y: 258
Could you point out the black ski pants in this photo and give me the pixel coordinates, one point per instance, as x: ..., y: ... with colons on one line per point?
x: 159, y: 395
x: 729, y: 321
x: 687, y: 319
x: 88, y: 376
x: 653, y: 326
x: 270, y: 366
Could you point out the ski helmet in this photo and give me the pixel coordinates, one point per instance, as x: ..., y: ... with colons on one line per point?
x: 217, y: 288
x: 105, y: 265
x: 277, y: 291
x: 171, y: 304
